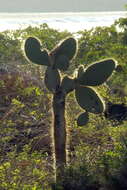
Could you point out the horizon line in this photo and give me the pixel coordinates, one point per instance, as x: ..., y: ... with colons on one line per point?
x: 63, y: 11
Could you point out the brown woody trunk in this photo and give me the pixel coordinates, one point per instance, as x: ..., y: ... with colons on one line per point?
x: 59, y: 134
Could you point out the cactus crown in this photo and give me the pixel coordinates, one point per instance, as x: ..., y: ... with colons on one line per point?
x: 59, y: 60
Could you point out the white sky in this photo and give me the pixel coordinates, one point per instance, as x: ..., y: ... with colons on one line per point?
x: 61, y: 5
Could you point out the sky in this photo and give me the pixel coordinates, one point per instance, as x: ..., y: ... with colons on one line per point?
x: 61, y: 5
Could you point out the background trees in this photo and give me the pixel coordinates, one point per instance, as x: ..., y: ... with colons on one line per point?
x: 97, y: 151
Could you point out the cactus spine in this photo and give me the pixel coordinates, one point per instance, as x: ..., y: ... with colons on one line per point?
x: 88, y: 99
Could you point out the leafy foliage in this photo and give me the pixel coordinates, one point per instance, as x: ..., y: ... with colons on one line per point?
x: 100, y: 146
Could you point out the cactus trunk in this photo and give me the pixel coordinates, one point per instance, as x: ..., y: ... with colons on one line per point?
x: 59, y: 133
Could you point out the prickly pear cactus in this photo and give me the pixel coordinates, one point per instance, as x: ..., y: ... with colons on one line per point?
x: 33, y: 52
x: 97, y: 73
x: 85, y: 93
x: 57, y: 60
x: 83, y: 84
x: 83, y: 119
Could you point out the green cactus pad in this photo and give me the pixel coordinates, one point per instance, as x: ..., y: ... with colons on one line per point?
x: 68, y: 84
x: 89, y: 100
x: 83, y: 119
x: 62, y: 63
x: 97, y: 73
x: 33, y: 52
x: 52, y: 79
x: 80, y: 70
x: 67, y: 48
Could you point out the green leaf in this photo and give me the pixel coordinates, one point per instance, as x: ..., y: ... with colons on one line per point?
x: 89, y: 100
x: 83, y: 119
x: 97, y: 73
x: 33, y: 52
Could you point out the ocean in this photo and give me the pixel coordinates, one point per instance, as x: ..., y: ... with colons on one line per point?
x: 71, y: 21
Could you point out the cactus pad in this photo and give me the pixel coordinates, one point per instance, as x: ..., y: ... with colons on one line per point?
x: 80, y: 70
x: 83, y: 119
x: 97, y: 73
x: 33, y: 52
x: 52, y: 79
x: 62, y: 63
x: 67, y: 48
x: 68, y: 84
x: 89, y: 100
